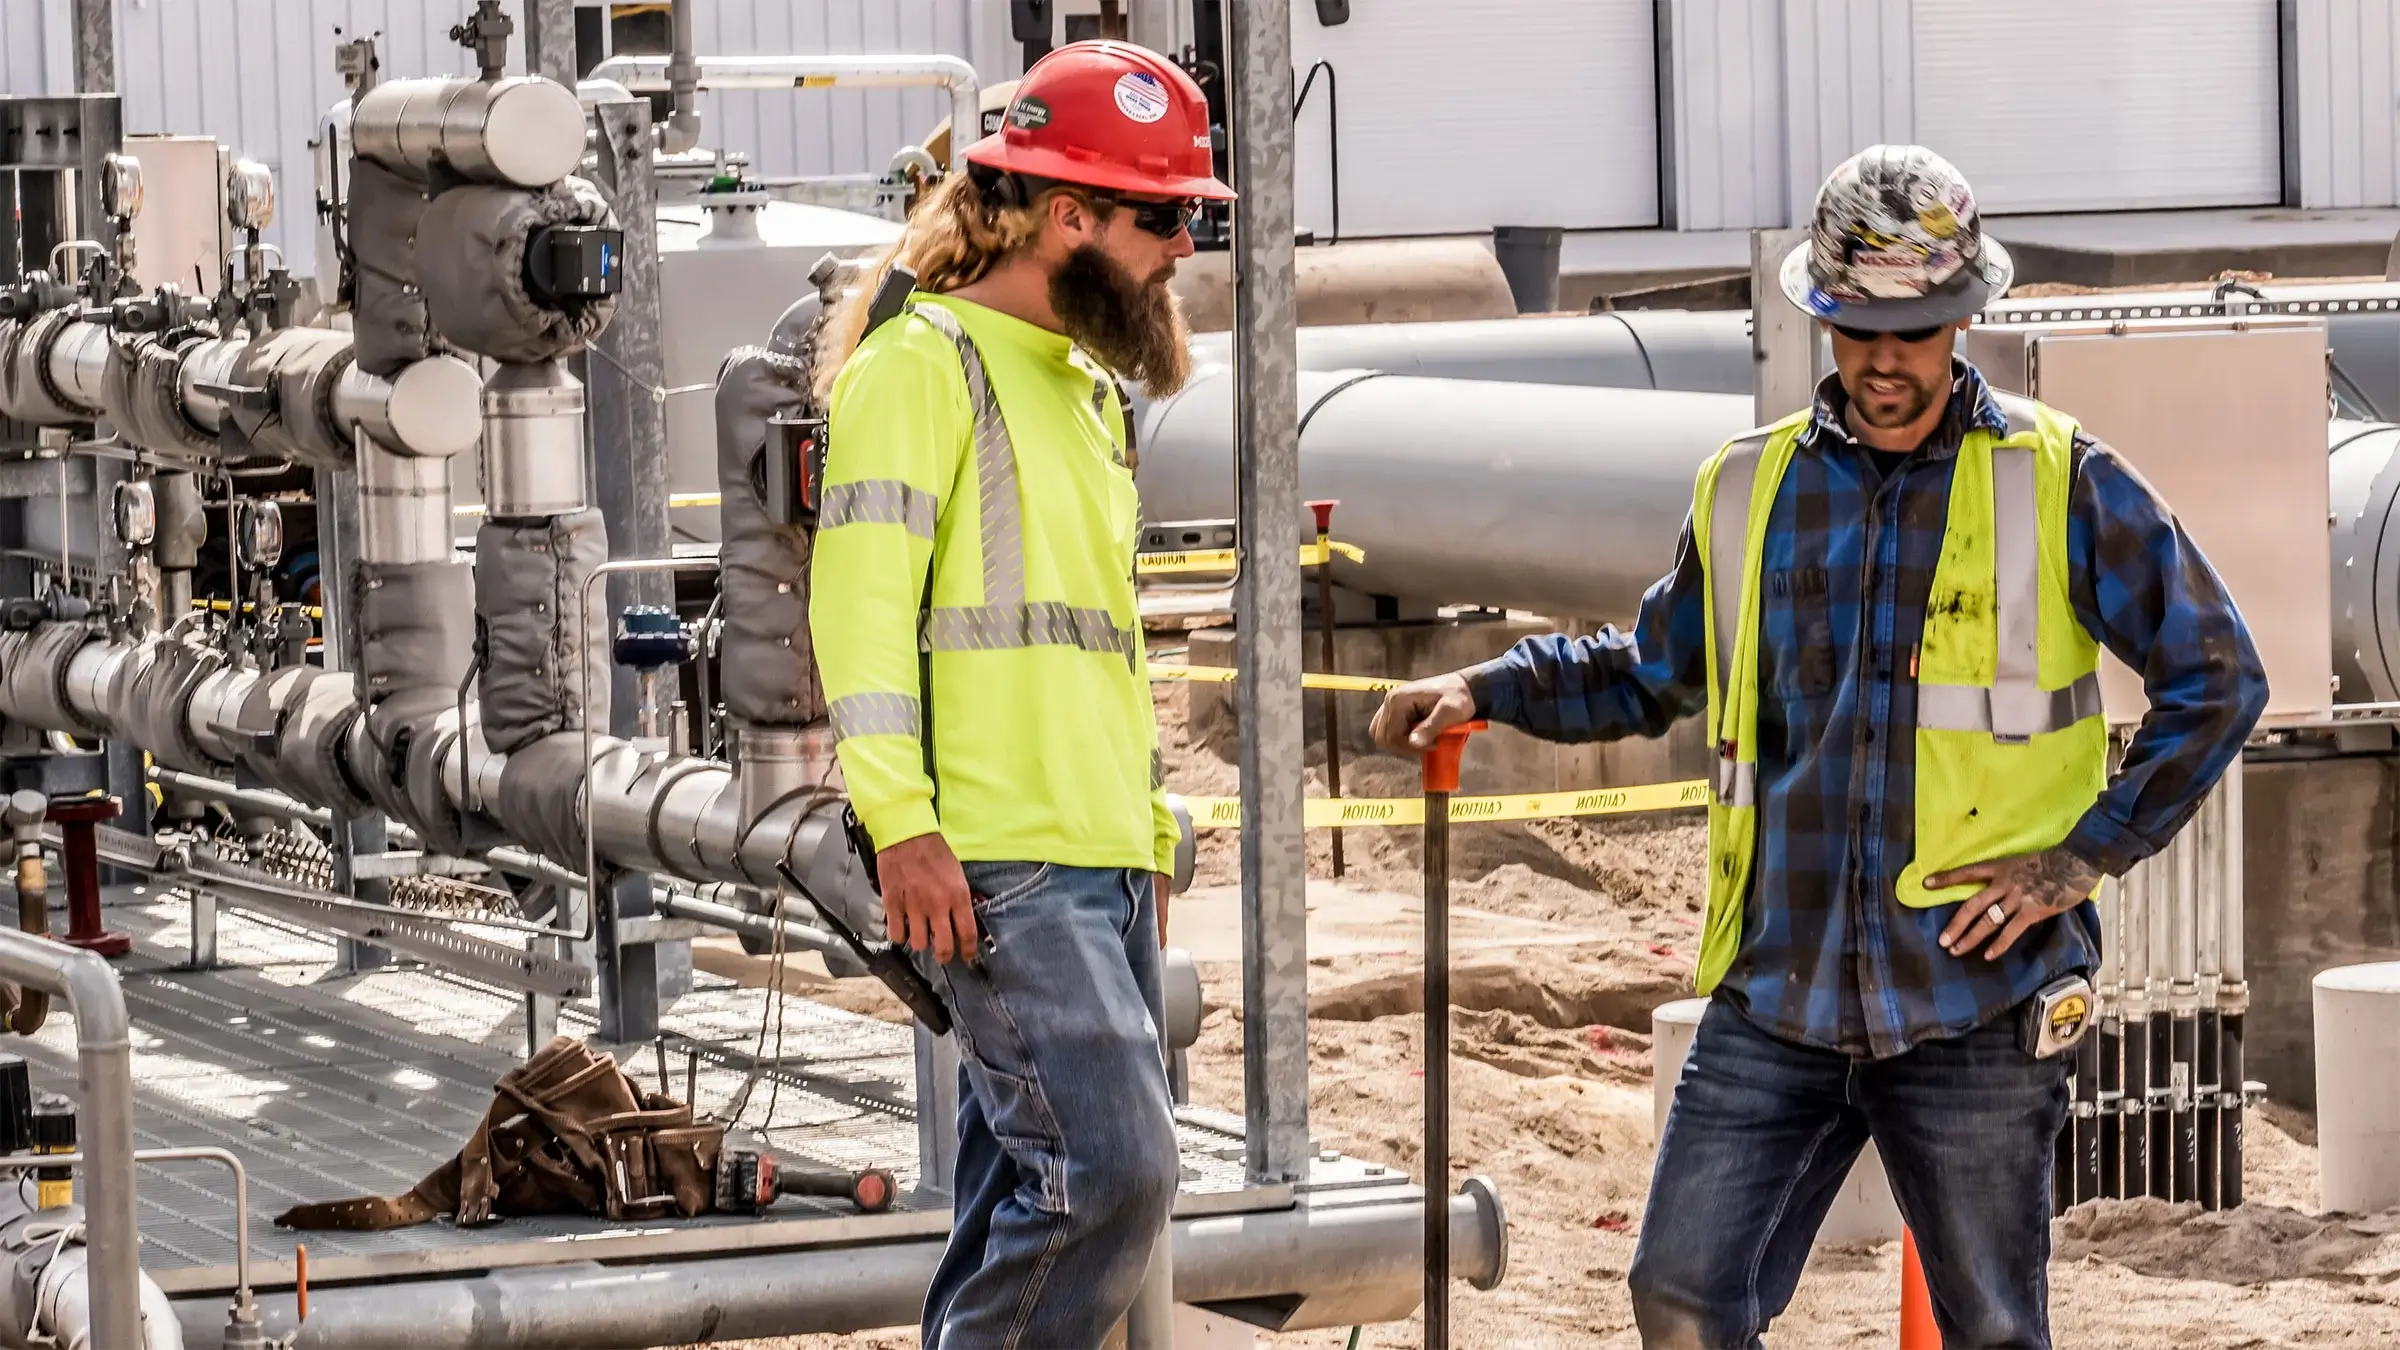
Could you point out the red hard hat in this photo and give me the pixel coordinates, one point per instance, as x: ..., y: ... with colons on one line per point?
x: 1107, y: 115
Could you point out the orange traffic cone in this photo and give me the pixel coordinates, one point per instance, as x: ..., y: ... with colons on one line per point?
x: 1917, y: 1329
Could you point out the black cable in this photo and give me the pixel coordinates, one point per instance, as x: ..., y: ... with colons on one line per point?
x: 1333, y: 133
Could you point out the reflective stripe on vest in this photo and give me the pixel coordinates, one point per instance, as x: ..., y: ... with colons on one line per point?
x: 1735, y: 780
x: 1005, y: 619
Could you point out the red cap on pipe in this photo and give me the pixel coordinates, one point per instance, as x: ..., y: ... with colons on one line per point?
x: 1441, y: 762
x: 1324, y: 510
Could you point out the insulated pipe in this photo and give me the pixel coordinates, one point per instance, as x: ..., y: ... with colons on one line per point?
x: 1559, y: 500
x: 403, y: 507
x: 429, y: 409
x: 77, y: 363
x: 1328, y: 1264
x: 1695, y: 351
x: 104, y: 1126
x: 524, y: 131
x: 817, y: 72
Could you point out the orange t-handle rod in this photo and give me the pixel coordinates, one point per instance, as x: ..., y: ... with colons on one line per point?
x: 1441, y: 779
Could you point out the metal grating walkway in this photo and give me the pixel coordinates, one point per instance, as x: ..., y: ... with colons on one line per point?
x: 329, y: 1086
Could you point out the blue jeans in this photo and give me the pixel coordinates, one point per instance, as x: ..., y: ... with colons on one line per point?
x: 1764, y: 1131
x: 1067, y: 1164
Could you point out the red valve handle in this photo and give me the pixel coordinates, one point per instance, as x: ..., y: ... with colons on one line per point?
x: 1324, y: 510
x: 1441, y: 762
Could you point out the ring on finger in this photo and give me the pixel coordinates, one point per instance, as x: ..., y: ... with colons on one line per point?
x: 1996, y: 914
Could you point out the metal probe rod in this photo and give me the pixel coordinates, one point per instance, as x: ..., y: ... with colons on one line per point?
x: 1333, y: 705
x: 1440, y: 780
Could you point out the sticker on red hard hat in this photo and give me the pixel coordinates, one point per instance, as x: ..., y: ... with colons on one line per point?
x: 1141, y: 97
x: 1028, y: 113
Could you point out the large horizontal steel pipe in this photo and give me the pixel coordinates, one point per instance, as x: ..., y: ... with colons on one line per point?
x: 1325, y: 1262
x: 2365, y: 481
x: 1560, y: 500
x: 1697, y: 351
x: 524, y: 130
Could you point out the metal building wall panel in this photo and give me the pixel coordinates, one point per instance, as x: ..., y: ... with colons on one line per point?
x: 2152, y: 104
x: 1849, y: 82
x: 24, y: 26
x: 1460, y: 116
x: 1725, y: 131
x: 257, y: 74
x: 822, y: 131
x: 2343, y: 89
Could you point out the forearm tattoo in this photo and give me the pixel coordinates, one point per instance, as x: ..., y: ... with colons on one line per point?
x: 2059, y: 878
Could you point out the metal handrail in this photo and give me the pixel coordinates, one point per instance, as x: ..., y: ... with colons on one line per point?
x: 22, y: 1162
x: 104, y: 1054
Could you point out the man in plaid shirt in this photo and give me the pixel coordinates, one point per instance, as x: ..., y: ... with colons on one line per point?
x: 1868, y: 978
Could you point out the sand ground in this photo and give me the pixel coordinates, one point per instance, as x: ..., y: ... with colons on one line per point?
x: 1568, y: 934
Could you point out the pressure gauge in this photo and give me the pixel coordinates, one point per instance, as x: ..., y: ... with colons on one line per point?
x: 261, y: 534
x: 121, y: 186
x: 250, y: 195
x: 137, y: 513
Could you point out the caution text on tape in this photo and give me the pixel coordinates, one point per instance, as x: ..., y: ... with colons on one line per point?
x: 1354, y: 684
x: 1325, y: 813
x: 1228, y: 560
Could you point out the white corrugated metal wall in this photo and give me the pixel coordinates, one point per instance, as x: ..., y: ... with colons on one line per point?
x: 1849, y: 82
x: 2063, y: 105
x: 821, y: 131
x: 2343, y: 92
x: 1472, y: 113
x: 1725, y: 113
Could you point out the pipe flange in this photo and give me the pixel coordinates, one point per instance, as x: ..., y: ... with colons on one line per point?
x: 27, y: 393
x: 1494, y: 1213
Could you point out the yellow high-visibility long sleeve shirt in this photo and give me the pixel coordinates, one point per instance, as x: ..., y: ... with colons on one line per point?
x: 990, y: 451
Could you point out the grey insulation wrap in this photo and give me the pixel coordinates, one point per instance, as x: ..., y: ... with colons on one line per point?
x: 152, y: 698
x: 139, y: 395
x: 294, y: 725
x: 541, y: 797
x: 298, y: 367
x: 769, y: 676
x: 416, y: 638
x: 388, y: 314
x: 474, y: 280
x: 33, y: 675
x: 528, y: 585
x: 182, y: 521
x: 26, y: 394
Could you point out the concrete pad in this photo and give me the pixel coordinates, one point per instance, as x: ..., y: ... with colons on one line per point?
x: 2140, y: 248
x: 1349, y: 920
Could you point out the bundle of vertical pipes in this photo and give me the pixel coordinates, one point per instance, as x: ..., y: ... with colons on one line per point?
x: 2157, y: 1089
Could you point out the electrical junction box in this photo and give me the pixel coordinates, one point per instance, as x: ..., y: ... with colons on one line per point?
x: 2226, y: 419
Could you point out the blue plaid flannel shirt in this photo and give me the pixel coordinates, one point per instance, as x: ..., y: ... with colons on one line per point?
x: 1828, y: 955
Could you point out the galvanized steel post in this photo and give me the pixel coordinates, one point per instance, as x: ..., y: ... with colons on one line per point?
x: 95, y: 46
x: 550, y: 40
x: 629, y: 479
x: 1267, y: 597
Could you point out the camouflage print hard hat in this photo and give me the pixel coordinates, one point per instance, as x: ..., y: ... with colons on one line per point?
x: 1896, y: 243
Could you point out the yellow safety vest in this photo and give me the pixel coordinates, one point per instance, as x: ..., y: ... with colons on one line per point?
x: 2011, y: 749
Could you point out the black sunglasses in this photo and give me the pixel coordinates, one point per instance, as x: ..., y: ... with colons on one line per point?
x: 1163, y: 219
x: 1911, y: 336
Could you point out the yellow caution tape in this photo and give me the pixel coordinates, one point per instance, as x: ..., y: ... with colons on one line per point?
x: 1354, y: 684
x: 1230, y: 560
x: 1325, y: 813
